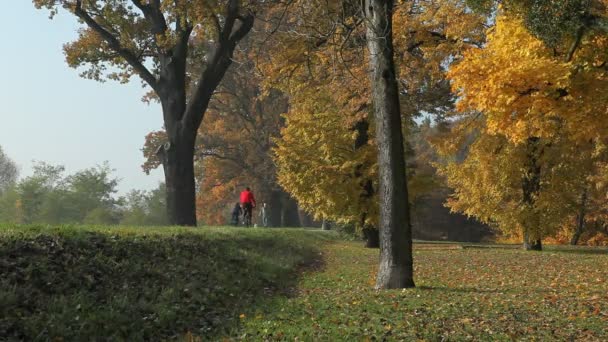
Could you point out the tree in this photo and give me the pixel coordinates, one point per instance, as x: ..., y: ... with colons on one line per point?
x: 242, y: 125
x: 525, y: 89
x: 526, y: 100
x: 321, y: 164
x: 180, y: 49
x: 90, y: 194
x: 9, y: 206
x: 324, y: 73
x: 35, y: 193
x: 8, y: 172
x: 561, y: 24
x: 233, y: 148
x: 528, y: 190
x: 396, y: 264
x: 48, y: 196
x: 145, y: 208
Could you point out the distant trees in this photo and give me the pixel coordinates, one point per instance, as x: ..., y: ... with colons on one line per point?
x: 8, y: 171
x: 86, y: 197
x: 145, y: 208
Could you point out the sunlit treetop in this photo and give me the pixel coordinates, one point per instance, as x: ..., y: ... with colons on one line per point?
x: 525, y: 88
x: 558, y: 23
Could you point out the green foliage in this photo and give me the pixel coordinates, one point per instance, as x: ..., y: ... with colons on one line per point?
x: 99, y: 216
x: 50, y: 197
x: 8, y: 171
x: 38, y: 194
x: 87, y: 196
x: 462, y: 294
x: 81, y: 284
x: 8, y: 205
x: 481, y: 6
x: 554, y: 20
x: 145, y: 208
x: 92, y: 189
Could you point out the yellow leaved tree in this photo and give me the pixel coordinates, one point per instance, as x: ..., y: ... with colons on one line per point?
x: 533, y: 123
x: 326, y: 155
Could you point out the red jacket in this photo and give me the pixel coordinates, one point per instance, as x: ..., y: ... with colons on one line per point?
x: 247, y: 197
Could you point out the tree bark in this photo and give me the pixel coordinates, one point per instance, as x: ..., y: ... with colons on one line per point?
x: 289, y: 215
x: 325, y: 225
x: 177, y: 161
x: 536, y: 245
x: 370, y: 234
x: 580, y: 219
x: 396, y: 264
x: 372, y: 237
x: 531, y: 187
x: 306, y: 220
x: 275, y: 208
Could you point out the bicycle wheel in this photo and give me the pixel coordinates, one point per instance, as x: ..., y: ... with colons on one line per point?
x: 247, y: 218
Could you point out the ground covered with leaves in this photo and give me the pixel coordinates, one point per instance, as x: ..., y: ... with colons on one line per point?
x: 75, y: 283
x: 82, y: 284
x: 461, y: 294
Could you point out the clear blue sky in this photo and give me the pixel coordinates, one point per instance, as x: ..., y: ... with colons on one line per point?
x: 49, y: 113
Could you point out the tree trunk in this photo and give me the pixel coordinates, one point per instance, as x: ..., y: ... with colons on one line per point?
x: 178, y: 164
x: 275, y: 208
x: 306, y: 220
x: 531, y: 187
x: 396, y: 264
x: 325, y: 225
x: 289, y: 216
x: 580, y: 219
x: 370, y: 234
x: 372, y: 237
x: 535, y: 245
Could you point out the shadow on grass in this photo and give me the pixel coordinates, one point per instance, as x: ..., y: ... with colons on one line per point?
x: 578, y: 250
x: 458, y: 289
x: 87, y: 285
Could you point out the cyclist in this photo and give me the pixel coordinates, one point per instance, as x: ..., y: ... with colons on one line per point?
x: 248, y: 203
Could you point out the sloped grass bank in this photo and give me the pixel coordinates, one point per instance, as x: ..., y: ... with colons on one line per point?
x: 79, y: 283
x: 463, y: 294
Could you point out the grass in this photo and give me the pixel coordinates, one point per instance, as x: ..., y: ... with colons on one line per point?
x: 461, y: 294
x: 272, y: 284
x: 132, y: 284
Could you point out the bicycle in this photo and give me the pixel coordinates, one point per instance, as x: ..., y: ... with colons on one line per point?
x: 247, y: 213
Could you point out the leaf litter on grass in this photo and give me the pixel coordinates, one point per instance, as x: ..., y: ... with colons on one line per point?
x: 479, y: 294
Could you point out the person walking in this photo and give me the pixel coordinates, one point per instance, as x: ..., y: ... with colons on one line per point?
x: 264, y: 215
x: 237, y: 211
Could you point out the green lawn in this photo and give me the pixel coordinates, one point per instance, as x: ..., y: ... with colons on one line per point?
x: 279, y: 284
